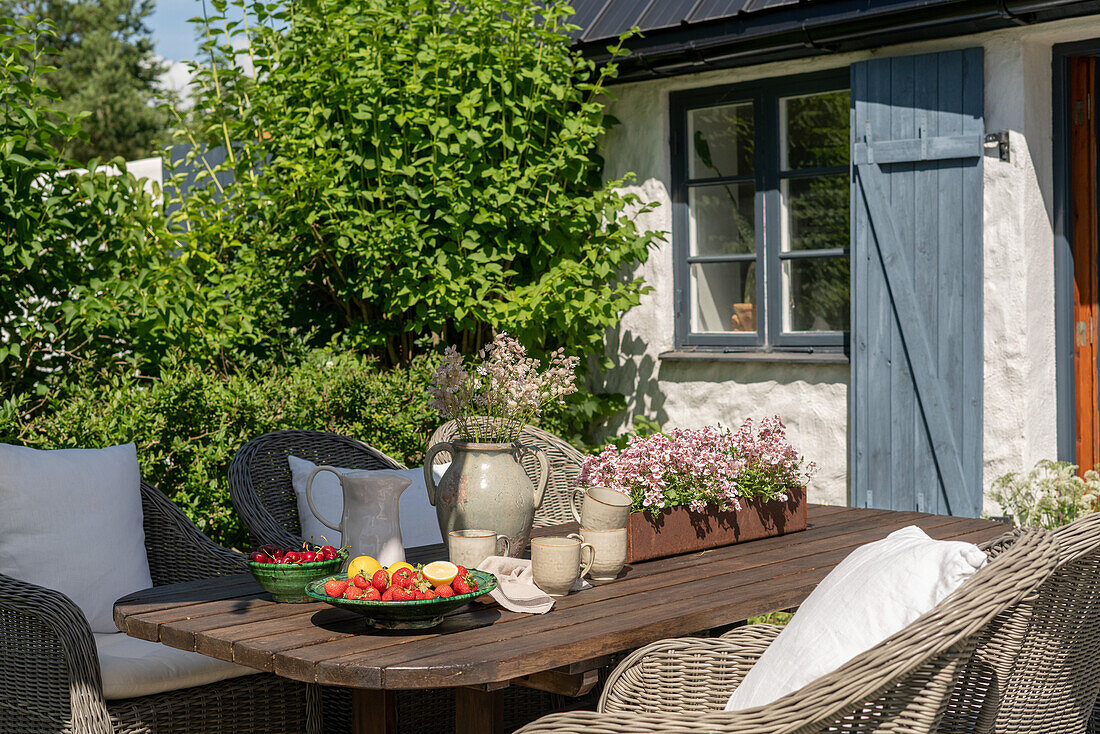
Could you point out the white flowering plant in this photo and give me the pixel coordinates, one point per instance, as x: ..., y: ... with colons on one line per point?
x: 1050, y: 495
x: 712, y: 466
x: 492, y: 401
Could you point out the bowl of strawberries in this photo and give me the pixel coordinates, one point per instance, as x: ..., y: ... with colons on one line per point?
x: 285, y: 573
x: 404, y: 596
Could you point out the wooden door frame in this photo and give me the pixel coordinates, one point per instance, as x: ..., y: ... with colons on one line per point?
x: 1064, y: 261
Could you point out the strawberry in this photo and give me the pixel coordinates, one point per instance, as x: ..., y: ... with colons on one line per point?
x: 461, y: 571
x: 471, y: 581
x: 401, y: 577
x: 400, y: 593
x: 371, y: 594
x: 361, y: 581
x: 380, y: 580
x: 429, y: 594
x: 460, y: 585
x: 336, y: 587
x: 444, y: 591
x: 353, y: 592
x: 387, y: 595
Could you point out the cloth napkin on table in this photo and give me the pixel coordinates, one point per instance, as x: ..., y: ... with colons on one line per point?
x: 516, y: 590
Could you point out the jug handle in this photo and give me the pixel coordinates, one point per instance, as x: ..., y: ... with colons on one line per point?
x: 429, y: 475
x: 544, y: 471
x: 309, y: 494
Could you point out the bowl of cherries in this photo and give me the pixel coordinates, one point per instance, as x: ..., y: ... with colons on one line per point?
x: 286, y: 573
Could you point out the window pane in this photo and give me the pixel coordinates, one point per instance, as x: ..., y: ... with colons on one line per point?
x: 721, y: 141
x: 723, y: 219
x: 816, y: 212
x: 815, y: 130
x: 723, y: 297
x: 815, y: 294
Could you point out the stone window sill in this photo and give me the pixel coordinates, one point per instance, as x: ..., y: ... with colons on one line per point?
x: 706, y: 355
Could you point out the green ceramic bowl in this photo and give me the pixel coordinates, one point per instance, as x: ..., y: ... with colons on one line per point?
x: 287, y: 581
x: 396, y: 615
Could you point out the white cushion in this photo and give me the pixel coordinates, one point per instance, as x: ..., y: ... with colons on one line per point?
x: 417, y: 516
x: 131, y: 667
x: 71, y: 520
x: 876, y: 591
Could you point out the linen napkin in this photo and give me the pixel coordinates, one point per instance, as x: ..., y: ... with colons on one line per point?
x: 516, y: 590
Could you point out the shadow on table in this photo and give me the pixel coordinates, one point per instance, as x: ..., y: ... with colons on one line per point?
x: 471, y: 617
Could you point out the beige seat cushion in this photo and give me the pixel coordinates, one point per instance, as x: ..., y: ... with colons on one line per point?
x: 131, y: 667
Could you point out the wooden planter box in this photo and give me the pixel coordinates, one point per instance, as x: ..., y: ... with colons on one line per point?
x: 679, y: 530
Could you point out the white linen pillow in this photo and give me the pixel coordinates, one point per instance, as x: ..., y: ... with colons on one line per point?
x: 71, y: 520
x: 417, y: 516
x: 876, y: 591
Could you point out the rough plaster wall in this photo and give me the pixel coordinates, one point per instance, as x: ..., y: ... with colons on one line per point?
x: 1019, y: 400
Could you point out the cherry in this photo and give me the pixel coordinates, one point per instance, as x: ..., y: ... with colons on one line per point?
x: 259, y: 557
x: 328, y: 549
x: 293, y: 557
x: 308, y: 557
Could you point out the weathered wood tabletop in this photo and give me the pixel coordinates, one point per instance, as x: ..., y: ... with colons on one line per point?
x: 482, y: 650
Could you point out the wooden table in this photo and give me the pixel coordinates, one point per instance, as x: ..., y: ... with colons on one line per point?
x: 488, y: 648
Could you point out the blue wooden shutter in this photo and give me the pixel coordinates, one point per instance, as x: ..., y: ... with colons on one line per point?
x: 916, y: 389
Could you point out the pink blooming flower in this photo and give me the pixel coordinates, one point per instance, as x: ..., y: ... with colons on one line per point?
x: 505, y: 392
x: 701, y: 467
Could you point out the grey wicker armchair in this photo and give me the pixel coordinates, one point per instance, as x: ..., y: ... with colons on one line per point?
x: 565, y: 464
x: 49, y: 670
x: 1038, y: 668
x: 901, y: 686
x: 260, y: 485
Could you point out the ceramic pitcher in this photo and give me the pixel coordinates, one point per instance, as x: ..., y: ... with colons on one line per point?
x: 371, y: 521
x: 486, y: 488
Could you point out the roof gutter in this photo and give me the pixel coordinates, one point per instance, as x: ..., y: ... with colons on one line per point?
x: 789, y: 33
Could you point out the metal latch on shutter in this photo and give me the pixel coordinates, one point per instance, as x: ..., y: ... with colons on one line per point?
x: 1000, y: 139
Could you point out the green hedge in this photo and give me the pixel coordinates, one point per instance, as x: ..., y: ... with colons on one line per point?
x: 188, y: 424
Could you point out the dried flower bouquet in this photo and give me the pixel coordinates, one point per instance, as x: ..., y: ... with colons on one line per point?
x: 697, y: 468
x: 494, y: 400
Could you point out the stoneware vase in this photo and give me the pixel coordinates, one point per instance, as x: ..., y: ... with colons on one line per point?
x: 371, y: 521
x: 486, y: 488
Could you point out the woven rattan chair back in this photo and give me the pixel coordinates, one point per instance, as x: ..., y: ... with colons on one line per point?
x: 260, y: 483
x: 565, y: 464
x: 1038, y: 667
x: 901, y: 685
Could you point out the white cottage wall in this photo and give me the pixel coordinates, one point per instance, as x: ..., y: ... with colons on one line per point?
x: 1019, y: 409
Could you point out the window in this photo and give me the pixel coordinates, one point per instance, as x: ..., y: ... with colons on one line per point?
x: 761, y: 214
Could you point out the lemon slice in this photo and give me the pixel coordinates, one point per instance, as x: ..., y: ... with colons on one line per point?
x: 440, y: 572
x: 399, y: 565
x: 366, y: 564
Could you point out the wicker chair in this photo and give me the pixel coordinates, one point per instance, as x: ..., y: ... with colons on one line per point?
x: 261, y: 489
x: 565, y: 464
x: 901, y: 685
x: 49, y: 670
x: 1039, y: 668
x: 260, y: 485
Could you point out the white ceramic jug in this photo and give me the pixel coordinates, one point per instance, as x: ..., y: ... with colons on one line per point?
x: 371, y: 521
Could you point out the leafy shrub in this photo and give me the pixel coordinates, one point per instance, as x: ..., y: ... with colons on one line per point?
x: 188, y: 424
x: 1049, y: 496
x: 89, y: 277
x: 429, y: 175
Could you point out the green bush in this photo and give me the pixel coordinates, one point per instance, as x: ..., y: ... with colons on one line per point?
x: 430, y: 175
x: 188, y: 424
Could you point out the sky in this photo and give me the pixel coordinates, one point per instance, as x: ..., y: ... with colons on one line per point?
x: 174, y: 36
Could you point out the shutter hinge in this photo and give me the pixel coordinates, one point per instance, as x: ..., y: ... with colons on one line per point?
x: 1000, y: 139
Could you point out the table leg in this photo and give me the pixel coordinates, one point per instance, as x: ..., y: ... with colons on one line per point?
x: 478, y: 711
x: 374, y: 712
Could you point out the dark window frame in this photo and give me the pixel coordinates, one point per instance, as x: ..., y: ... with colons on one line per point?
x: 765, y: 95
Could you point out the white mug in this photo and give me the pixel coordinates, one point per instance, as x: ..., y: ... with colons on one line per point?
x: 470, y: 547
x: 609, y: 555
x: 556, y: 563
x: 602, y: 508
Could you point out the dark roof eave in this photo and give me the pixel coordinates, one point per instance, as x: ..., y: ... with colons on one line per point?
x: 794, y: 32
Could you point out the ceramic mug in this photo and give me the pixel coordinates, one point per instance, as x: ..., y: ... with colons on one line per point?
x: 470, y: 547
x: 610, y: 553
x: 556, y: 563
x: 601, y: 508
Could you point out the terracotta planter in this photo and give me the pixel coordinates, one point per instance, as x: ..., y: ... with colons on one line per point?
x: 679, y: 530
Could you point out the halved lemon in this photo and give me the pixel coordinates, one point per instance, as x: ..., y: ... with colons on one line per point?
x: 366, y: 564
x: 440, y: 572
